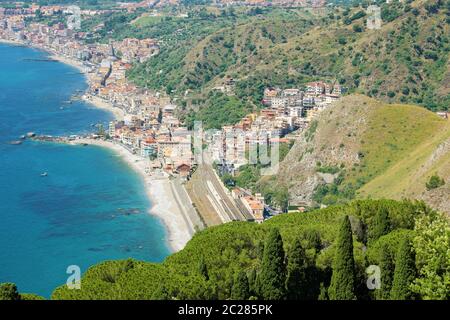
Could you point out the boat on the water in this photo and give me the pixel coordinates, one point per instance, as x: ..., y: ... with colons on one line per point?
x: 44, y: 174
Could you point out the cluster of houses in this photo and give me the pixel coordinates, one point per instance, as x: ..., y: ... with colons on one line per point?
x: 105, y: 64
x: 111, y: 70
x: 166, y: 145
x: 68, y: 42
x: 302, y: 104
x: 50, y: 10
x: 273, y: 3
x: 286, y: 111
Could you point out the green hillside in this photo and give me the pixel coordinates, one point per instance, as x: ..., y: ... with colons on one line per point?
x: 405, y: 155
x: 405, y: 61
x: 368, y: 149
x: 206, y: 267
x: 239, y: 43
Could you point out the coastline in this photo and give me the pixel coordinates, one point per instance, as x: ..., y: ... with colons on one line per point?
x: 158, y: 188
x: 159, y: 191
x: 97, y: 102
x: 72, y: 62
x: 12, y: 42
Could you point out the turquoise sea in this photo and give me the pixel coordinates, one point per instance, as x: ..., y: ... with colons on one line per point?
x: 91, y: 207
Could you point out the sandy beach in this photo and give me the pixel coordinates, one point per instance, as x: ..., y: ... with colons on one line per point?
x: 97, y: 102
x: 72, y: 62
x: 17, y: 43
x: 159, y: 191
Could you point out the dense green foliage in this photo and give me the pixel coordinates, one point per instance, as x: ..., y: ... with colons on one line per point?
x: 343, y: 279
x: 8, y: 291
x: 296, y: 272
x: 387, y: 273
x: 432, y: 247
x: 216, y: 263
x: 221, y: 110
x: 335, y: 192
x: 272, y: 278
x: 380, y: 226
x: 229, y: 249
x: 30, y: 296
x: 241, y: 288
x: 405, y: 272
x: 203, y: 269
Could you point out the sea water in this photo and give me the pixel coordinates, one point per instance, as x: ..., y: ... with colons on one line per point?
x: 90, y: 207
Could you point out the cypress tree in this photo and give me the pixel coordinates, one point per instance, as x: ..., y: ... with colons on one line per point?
x: 387, y: 273
x: 380, y: 225
x: 405, y: 272
x: 240, y: 289
x: 203, y: 270
x: 296, y: 272
x: 343, y: 278
x: 8, y: 291
x: 272, y: 279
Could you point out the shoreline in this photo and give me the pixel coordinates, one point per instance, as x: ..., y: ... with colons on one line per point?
x: 71, y: 62
x: 118, y: 113
x: 159, y: 191
x: 100, y: 103
x: 17, y: 43
x: 158, y: 188
x: 95, y: 101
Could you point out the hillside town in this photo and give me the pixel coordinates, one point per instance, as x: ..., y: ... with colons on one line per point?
x: 150, y: 126
x: 285, y: 112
